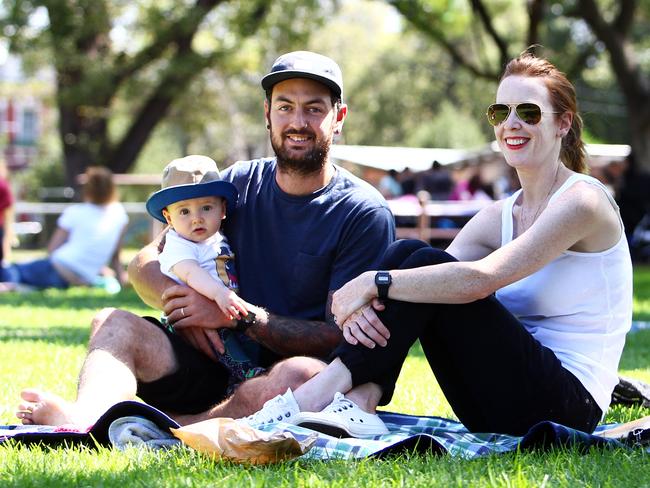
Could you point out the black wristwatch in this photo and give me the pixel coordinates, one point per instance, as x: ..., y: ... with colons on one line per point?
x: 243, y: 324
x: 383, y: 280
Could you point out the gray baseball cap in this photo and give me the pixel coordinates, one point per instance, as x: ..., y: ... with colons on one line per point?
x: 193, y: 176
x: 306, y: 64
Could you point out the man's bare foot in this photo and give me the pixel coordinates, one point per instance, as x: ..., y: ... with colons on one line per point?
x: 41, y: 408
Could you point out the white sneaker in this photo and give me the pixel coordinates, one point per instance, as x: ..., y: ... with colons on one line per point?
x: 343, y: 418
x: 282, y: 408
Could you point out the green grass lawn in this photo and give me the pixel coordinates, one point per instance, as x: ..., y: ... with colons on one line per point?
x: 42, y: 343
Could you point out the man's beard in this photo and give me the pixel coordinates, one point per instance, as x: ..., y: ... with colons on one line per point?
x: 311, y: 162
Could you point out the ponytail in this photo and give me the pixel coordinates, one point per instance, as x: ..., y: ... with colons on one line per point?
x: 573, y: 153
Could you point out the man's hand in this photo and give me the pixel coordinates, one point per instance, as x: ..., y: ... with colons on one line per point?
x: 195, y: 317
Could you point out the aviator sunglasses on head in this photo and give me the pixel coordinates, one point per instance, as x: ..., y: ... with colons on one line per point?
x: 528, y: 113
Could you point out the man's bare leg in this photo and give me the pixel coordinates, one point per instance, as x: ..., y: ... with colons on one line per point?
x: 251, y: 395
x: 122, y: 347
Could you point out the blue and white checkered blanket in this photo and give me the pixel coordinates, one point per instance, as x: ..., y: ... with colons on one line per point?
x: 444, y: 436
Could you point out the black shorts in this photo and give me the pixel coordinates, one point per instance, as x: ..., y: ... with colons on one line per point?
x: 198, y: 384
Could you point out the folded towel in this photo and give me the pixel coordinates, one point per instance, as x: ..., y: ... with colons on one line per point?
x: 139, y: 432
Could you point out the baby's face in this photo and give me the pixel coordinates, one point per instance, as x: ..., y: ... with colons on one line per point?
x: 196, y: 219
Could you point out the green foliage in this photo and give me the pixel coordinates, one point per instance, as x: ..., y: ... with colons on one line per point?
x: 450, y: 128
x: 397, y: 84
x: 407, y: 64
x: 46, y: 173
x: 220, y: 113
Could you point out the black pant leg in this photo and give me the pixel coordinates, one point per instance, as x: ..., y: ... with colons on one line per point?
x: 499, y: 378
x: 406, y: 321
x: 399, y: 251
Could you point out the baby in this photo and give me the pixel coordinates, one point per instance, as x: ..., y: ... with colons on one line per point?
x: 193, y: 200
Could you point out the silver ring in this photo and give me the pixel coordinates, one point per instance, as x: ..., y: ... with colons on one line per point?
x: 183, y: 311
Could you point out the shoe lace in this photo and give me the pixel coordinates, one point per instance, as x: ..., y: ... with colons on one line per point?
x: 339, y: 404
x: 274, y: 410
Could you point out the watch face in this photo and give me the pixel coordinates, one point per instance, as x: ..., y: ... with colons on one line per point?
x: 382, y: 278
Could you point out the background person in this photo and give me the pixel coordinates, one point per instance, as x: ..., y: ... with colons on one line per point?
x: 437, y: 182
x: 6, y: 214
x: 634, y: 194
x: 389, y: 187
x: 472, y: 188
x: 87, y: 238
x: 408, y: 181
x: 523, y: 319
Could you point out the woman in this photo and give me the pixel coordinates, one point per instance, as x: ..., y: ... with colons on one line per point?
x: 87, y: 238
x: 523, y: 319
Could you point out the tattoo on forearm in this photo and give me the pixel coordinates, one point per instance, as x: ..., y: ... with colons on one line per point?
x: 290, y: 337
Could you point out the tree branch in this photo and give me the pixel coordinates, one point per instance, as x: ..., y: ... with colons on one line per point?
x: 177, y: 77
x: 625, y: 17
x: 425, y: 22
x: 535, y: 16
x: 183, y: 68
x: 173, y: 34
x: 626, y: 68
x: 579, y: 63
x: 486, y: 20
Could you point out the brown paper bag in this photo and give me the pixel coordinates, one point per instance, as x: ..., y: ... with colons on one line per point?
x: 224, y: 438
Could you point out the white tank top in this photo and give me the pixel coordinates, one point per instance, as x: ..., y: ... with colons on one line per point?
x: 578, y: 305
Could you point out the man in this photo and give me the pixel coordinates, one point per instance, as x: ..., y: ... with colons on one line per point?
x: 302, y: 228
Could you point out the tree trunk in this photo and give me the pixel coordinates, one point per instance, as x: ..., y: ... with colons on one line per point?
x: 615, y: 35
x: 640, y: 137
x: 84, y: 139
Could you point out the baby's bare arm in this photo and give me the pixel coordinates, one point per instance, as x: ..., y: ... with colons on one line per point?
x: 191, y: 273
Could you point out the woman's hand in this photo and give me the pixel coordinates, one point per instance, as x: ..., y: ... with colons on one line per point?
x: 365, y: 327
x: 352, y: 296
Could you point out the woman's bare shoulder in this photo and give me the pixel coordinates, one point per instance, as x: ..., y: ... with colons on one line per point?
x: 599, y: 213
